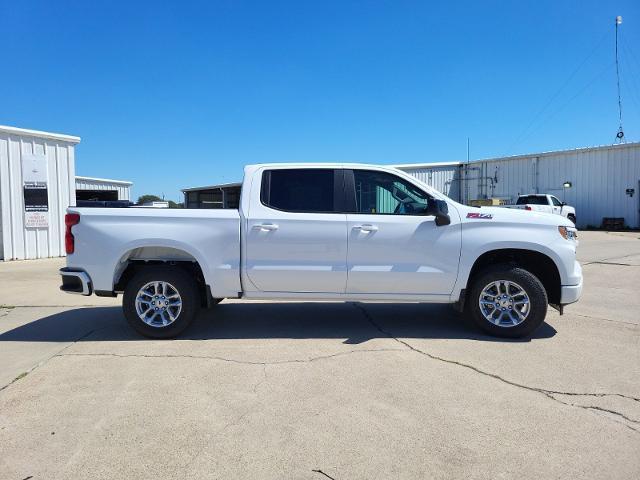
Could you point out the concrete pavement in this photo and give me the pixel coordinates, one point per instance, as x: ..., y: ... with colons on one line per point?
x: 317, y: 390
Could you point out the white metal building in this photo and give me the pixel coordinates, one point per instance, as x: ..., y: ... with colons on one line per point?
x: 604, y: 181
x: 444, y: 176
x: 90, y: 188
x: 37, y: 184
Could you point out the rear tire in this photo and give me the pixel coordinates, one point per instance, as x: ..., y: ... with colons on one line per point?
x: 160, y: 302
x: 507, y: 301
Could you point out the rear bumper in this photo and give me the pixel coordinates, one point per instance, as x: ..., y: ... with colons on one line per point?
x: 570, y: 293
x: 75, y: 281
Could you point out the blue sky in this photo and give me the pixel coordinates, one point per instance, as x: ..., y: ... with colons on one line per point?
x: 172, y: 95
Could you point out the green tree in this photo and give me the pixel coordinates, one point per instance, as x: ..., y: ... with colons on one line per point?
x: 173, y: 204
x: 148, y: 198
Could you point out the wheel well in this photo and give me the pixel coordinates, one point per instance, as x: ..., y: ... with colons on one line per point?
x: 139, y: 259
x: 537, y: 263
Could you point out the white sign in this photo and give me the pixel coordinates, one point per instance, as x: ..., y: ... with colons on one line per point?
x: 35, y: 193
x: 34, y: 169
x: 36, y: 219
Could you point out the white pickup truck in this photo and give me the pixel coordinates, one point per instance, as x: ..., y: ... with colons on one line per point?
x: 544, y: 203
x: 345, y: 232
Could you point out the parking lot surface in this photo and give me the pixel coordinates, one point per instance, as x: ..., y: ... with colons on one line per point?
x: 321, y: 390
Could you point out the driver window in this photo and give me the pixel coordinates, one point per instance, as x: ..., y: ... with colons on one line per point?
x: 556, y: 202
x: 386, y: 194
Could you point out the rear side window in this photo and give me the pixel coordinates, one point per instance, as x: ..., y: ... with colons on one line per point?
x: 299, y: 190
x: 532, y: 200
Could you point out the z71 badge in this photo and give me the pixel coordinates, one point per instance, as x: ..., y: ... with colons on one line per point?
x: 482, y: 216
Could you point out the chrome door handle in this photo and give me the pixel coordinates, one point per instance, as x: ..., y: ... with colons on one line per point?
x: 367, y: 227
x: 266, y: 226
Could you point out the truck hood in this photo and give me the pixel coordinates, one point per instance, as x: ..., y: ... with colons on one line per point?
x: 509, y: 215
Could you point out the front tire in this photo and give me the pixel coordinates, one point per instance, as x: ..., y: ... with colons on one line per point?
x: 507, y: 301
x: 160, y: 302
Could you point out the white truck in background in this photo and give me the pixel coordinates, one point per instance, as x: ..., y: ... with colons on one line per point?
x: 544, y: 203
x: 345, y: 232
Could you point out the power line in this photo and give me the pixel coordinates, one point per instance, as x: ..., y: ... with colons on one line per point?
x: 571, y: 99
x: 524, y: 133
x: 628, y: 50
x: 630, y: 81
x: 632, y: 93
x: 632, y: 65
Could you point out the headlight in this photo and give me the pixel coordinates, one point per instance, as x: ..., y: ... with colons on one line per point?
x: 568, y: 233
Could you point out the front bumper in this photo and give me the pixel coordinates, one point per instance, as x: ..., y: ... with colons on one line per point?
x: 570, y: 293
x: 75, y: 281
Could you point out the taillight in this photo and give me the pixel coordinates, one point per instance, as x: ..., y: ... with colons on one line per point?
x: 70, y: 219
x: 527, y: 207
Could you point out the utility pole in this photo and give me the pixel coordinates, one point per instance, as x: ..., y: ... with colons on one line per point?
x: 620, y: 134
x: 466, y: 177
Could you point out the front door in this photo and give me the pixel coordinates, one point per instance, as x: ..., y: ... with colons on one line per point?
x: 393, y: 246
x: 296, y: 241
x: 556, y: 205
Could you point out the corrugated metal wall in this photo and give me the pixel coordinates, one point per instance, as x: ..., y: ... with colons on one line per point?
x: 86, y: 183
x: 599, y: 179
x: 445, y: 179
x: 19, y: 242
x: 599, y: 176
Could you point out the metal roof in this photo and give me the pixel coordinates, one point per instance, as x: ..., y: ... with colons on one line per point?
x: 524, y: 155
x: 561, y: 152
x: 213, y: 187
x: 426, y: 165
x: 103, y: 180
x: 38, y: 134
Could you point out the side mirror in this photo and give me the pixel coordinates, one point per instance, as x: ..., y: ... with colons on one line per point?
x: 564, y: 203
x: 440, y: 210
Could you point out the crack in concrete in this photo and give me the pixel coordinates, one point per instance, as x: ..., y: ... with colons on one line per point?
x: 602, y: 262
x: 593, y: 317
x: 264, y: 379
x: 608, y: 260
x: 58, y: 353
x: 230, y: 360
x: 602, y: 409
x: 322, y: 473
x: 548, y: 393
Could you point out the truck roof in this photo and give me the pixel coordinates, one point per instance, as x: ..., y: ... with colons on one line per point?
x: 319, y: 164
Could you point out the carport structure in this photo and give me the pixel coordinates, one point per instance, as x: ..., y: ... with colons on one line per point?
x: 91, y: 188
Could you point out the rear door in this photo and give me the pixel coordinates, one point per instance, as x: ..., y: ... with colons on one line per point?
x: 394, y: 247
x: 296, y: 237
